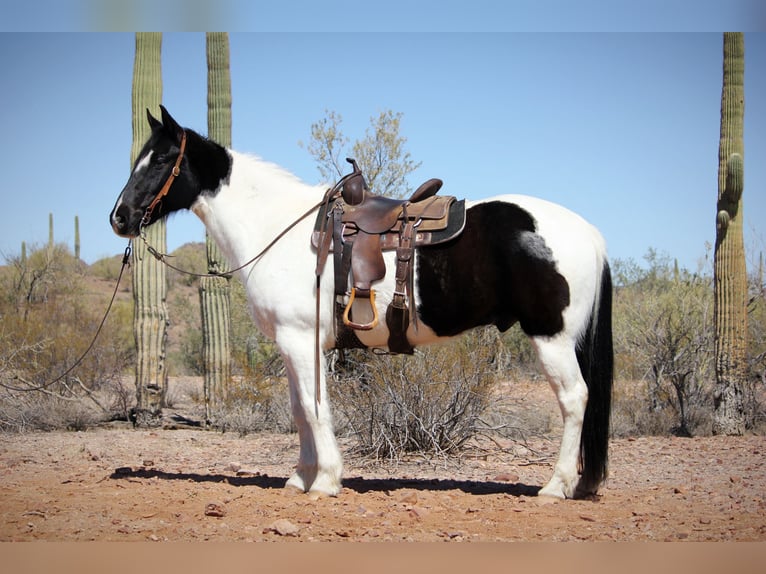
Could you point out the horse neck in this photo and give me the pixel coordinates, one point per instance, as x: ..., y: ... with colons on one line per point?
x: 253, y: 206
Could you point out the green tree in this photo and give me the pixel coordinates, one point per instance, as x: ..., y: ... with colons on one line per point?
x: 381, y: 154
x: 730, y: 272
x: 214, y: 291
x: 150, y: 318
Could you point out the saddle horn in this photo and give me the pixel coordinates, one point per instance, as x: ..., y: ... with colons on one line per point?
x: 355, y: 187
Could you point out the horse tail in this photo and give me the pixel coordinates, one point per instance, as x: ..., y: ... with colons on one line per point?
x: 595, y: 356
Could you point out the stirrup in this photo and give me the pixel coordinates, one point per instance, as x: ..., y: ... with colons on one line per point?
x: 361, y: 326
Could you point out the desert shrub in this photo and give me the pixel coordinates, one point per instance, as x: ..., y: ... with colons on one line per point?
x: 47, y: 321
x: 429, y: 403
x: 664, y: 342
x: 254, y: 404
x: 755, y: 390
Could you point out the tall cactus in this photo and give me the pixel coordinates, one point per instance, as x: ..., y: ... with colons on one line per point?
x: 76, y: 237
x: 150, y: 318
x: 214, y: 291
x: 730, y: 272
x: 50, y: 231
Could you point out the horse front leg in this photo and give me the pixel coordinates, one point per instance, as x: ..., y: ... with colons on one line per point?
x: 320, y: 464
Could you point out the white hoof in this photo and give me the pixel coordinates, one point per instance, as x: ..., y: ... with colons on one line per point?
x: 556, y: 488
x: 295, y: 482
x: 551, y: 492
x: 322, y: 486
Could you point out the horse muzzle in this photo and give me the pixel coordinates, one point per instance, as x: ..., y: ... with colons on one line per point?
x: 124, y: 222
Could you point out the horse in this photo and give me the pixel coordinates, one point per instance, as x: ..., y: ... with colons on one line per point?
x: 519, y: 259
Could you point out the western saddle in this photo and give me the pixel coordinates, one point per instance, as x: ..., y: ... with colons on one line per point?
x: 357, y: 226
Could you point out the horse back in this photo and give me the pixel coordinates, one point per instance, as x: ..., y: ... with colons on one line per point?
x: 507, y: 267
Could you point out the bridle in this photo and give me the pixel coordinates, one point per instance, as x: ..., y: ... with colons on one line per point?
x: 174, y: 173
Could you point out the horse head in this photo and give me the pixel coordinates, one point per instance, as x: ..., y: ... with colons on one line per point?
x: 160, y: 164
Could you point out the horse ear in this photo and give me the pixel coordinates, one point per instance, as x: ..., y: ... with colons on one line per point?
x: 154, y: 123
x: 170, y: 124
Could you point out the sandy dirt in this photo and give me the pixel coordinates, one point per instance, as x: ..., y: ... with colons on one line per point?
x: 188, y: 485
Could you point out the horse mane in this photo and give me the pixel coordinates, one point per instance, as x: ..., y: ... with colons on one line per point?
x: 271, y: 173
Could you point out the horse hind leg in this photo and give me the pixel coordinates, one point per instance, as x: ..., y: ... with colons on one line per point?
x: 558, y: 360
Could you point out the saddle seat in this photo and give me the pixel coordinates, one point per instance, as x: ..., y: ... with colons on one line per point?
x: 357, y: 227
x: 378, y: 214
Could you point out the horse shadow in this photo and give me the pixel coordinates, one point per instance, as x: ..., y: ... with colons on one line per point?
x: 356, y: 484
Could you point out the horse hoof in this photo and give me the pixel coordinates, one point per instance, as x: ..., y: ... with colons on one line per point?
x: 552, y: 492
x: 295, y: 483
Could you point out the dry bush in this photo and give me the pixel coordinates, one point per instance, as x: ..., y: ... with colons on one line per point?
x: 631, y: 412
x: 48, y: 322
x: 664, y: 338
x: 429, y: 403
x: 522, y: 409
x: 254, y: 405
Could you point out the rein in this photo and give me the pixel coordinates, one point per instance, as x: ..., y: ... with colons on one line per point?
x: 162, y: 257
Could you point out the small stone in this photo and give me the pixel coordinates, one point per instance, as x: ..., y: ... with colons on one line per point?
x: 283, y: 527
x: 233, y: 467
x: 148, y: 463
x: 215, y: 509
x: 418, y: 512
x: 410, y: 498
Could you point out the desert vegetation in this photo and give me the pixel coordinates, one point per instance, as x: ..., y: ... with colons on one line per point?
x: 435, y: 402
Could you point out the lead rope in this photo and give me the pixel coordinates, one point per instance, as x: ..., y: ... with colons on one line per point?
x: 125, y: 263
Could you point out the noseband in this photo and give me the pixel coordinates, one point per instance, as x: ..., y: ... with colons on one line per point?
x: 174, y: 173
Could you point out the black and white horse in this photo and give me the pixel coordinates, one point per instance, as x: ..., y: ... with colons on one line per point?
x: 519, y: 259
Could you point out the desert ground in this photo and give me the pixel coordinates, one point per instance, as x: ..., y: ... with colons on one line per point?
x: 184, y: 484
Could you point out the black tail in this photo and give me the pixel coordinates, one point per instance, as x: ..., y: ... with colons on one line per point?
x: 596, y: 358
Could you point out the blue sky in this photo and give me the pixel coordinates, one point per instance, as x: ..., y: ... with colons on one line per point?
x: 622, y: 128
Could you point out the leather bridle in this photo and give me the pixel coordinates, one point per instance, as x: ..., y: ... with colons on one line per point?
x: 174, y: 173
